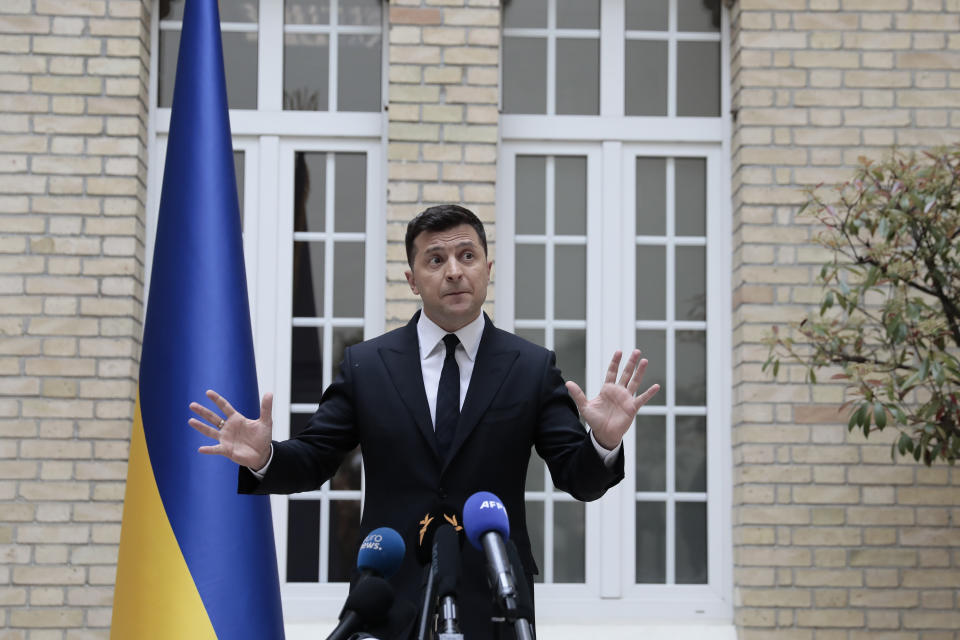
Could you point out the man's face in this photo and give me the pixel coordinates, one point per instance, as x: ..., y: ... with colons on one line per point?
x: 450, y: 274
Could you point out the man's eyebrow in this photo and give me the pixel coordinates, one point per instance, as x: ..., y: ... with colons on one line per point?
x: 439, y: 247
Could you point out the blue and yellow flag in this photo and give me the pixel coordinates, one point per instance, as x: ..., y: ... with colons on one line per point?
x: 197, y: 560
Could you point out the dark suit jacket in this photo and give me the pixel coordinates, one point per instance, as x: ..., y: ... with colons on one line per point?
x: 516, y: 400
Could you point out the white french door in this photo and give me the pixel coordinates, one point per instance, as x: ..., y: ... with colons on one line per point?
x: 605, y: 246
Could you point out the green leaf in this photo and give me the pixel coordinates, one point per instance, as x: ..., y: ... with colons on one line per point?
x: 879, y: 415
x: 853, y: 420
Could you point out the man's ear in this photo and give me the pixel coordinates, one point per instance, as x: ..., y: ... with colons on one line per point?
x: 412, y: 282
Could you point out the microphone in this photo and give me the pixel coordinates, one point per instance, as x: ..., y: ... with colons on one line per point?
x: 366, y: 605
x: 447, y: 554
x: 381, y: 553
x: 429, y: 524
x: 487, y: 525
x: 438, y: 519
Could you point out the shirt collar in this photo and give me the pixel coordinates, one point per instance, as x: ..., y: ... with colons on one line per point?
x: 430, y: 335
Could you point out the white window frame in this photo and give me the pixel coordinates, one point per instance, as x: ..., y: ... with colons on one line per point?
x: 611, y: 141
x: 305, y: 601
x: 268, y: 136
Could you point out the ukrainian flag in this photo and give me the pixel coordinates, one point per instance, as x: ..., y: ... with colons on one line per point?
x: 197, y: 560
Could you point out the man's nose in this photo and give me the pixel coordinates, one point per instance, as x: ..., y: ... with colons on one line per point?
x: 453, y: 268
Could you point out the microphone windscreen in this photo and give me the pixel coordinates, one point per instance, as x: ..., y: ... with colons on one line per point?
x: 427, y: 528
x: 483, y: 512
x: 381, y: 552
x: 370, y: 599
x: 448, y: 561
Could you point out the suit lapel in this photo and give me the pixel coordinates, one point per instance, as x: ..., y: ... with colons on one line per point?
x: 489, y: 371
x: 402, y: 361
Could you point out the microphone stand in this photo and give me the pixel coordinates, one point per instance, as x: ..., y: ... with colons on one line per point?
x: 424, y: 631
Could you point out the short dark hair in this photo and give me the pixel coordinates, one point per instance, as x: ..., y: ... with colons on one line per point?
x: 441, y: 218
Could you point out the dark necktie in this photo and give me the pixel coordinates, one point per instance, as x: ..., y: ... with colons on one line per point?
x: 448, y: 397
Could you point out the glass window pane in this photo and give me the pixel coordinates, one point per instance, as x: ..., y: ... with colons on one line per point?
x: 698, y: 79
x: 535, y: 529
x: 652, y: 343
x: 531, y: 192
x: 578, y: 76
x: 651, y: 283
x: 306, y: 11
x: 570, y: 278
x: 230, y: 10
x: 347, y: 477
x: 344, y: 536
x: 651, y: 196
x: 698, y: 15
x: 306, y: 71
x: 568, y: 542
x: 298, y: 422
x: 350, y: 192
x: 167, y: 66
x: 238, y: 171
x: 576, y: 14
x: 691, y: 196
x: 306, y: 364
x: 647, y: 15
x: 358, y: 72
x: 533, y: 335
x: 240, y: 66
x: 525, y: 13
x: 363, y: 12
x: 691, y: 554
x: 691, y: 383
x: 348, y: 279
x: 651, y: 432
x: 309, y: 192
x: 691, y: 453
x: 308, y: 279
x: 651, y: 543
x: 524, y: 74
x: 570, y: 215
x: 646, y: 78
x: 303, y: 541
x: 535, y: 472
x: 691, y: 279
x: 344, y: 337
x: 529, y: 300
x: 570, y: 346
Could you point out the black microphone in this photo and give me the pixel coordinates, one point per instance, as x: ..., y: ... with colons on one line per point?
x: 427, y: 529
x: 487, y: 525
x: 366, y: 605
x: 447, y: 554
x: 439, y: 517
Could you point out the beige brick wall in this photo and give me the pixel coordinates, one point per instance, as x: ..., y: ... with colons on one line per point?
x: 831, y: 539
x: 73, y: 127
x: 442, y: 131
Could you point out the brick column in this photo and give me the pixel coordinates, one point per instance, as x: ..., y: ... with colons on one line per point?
x: 442, y: 137
x: 73, y: 123
x: 831, y: 539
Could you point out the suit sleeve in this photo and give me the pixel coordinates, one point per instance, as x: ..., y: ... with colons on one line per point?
x: 309, y: 459
x: 563, y: 442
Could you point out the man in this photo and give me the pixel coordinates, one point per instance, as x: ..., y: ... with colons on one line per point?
x: 443, y: 407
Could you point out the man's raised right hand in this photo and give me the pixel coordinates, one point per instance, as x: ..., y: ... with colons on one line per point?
x: 245, y: 441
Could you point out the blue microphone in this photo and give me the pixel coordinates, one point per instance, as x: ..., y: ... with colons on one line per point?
x: 487, y: 526
x: 381, y: 553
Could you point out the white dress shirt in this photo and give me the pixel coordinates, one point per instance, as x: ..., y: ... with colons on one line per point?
x: 432, y: 353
